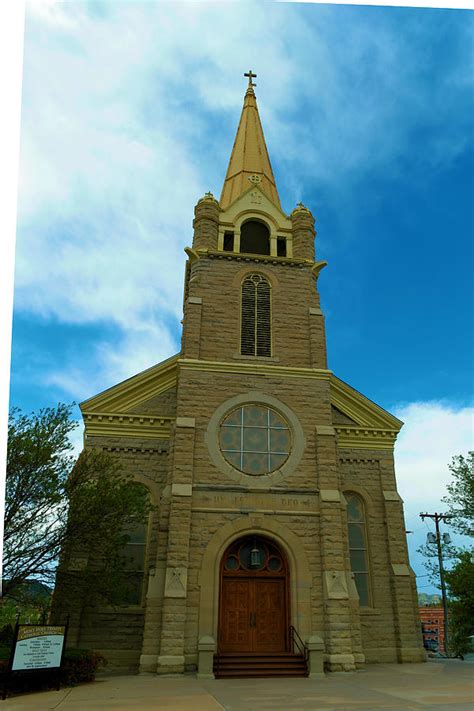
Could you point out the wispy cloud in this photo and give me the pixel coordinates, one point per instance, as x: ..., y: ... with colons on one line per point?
x: 112, y: 361
x: 129, y: 111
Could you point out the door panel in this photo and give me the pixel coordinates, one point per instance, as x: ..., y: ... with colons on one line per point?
x: 235, y: 631
x: 269, y: 632
x: 253, y: 615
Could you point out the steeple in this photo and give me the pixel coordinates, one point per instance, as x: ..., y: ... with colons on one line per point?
x: 249, y: 155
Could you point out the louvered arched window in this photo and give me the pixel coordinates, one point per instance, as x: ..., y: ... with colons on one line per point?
x: 357, y: 529
x: 255, y: 332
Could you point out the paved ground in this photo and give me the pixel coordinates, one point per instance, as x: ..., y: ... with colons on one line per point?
x: 440, y: 685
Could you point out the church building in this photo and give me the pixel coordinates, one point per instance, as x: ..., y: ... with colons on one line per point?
x: 276, y: 544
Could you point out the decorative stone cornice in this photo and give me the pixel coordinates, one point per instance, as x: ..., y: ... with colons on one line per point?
x: 356, y: 459
x: 136, y: 450
x: 257, y: 258
x: 105, y: 424
x: 365, y: 437
x: 254, y: 368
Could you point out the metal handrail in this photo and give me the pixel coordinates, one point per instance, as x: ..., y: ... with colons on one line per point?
x: 297, y: 642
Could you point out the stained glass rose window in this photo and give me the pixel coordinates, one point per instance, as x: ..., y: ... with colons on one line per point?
x: 255, y: 439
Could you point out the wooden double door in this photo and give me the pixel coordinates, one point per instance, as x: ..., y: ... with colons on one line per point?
x: 253, y: 615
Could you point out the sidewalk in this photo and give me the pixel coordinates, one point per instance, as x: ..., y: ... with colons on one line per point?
x: 439, y: 684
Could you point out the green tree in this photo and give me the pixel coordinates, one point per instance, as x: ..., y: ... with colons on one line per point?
x: 460, y: 581
x: 57, y: 508
x: 460, y: 497
x: 460, y: 507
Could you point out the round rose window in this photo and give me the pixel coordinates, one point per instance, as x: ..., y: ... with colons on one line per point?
x: 255, y: 439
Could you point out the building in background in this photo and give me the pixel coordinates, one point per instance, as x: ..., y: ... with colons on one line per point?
x: 432, y: 626
x: 278, y: 523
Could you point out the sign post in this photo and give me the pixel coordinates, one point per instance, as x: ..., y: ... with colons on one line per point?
x: 36, y: 648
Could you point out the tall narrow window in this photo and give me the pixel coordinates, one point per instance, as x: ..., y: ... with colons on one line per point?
x: 281, y: 247
x: 228, y: 241
x: 255, y: 335
x: 131, y: 564
x: 358, y: 546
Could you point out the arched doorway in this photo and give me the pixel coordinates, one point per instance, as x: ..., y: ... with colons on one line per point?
x: 253, y: 601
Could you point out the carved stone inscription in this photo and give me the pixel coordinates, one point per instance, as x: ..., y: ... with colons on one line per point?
x: 250, y: 501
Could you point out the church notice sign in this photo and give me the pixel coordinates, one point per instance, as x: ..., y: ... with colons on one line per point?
x: 38, y: 647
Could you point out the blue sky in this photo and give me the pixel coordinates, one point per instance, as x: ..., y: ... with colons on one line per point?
x: 128, y: 116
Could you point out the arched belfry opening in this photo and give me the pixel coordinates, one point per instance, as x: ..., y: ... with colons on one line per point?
x: 254, y: 598
x: 254, y: 238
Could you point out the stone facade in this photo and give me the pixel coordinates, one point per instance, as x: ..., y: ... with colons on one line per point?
x: 163, y: 424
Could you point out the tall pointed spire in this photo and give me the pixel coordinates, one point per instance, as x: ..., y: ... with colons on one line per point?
x: 249, y: 155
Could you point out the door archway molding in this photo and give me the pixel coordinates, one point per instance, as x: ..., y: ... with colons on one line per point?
x: 300, y: 574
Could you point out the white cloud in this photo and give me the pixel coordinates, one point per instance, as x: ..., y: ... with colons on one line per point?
x: 433, y: 433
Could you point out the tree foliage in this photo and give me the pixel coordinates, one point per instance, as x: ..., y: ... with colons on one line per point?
x: 460, y: 497
x: 460, y: 581
x: 460, y: 507
x: 57, y: 507
x: 458, y: 562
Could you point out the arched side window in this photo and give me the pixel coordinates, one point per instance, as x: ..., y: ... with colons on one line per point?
x: 358, y: 550
x: 130, y: 587
x: 255, y: 330
x: 254, y: 238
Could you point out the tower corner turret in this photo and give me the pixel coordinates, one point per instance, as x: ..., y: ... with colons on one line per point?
x: 206, y: 222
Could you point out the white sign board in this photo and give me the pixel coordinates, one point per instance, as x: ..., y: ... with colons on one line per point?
x: 38, y: 647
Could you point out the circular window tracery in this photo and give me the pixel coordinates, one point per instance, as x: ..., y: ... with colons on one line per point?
x: 255, y: 439
x: 253, y: 554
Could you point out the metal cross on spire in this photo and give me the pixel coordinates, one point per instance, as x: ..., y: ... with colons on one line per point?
x: 251, y: 76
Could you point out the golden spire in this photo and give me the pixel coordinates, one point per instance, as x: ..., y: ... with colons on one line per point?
x: 249, y: 162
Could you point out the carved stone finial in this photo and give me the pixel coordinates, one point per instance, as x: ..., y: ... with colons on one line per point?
x: 207, y: 197
x: 300, y: 208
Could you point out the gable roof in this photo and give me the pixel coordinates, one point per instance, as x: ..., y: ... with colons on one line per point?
x: 135, y: 390
x: 122, y: 398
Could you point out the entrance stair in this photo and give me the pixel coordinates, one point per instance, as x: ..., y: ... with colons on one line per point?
x: 253, y: 664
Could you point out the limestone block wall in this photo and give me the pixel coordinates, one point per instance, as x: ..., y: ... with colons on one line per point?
x: 163, y: 405
x: 307, y: 398
x: 117, y: 632
x: 212, y: 325
x: 389, y: 627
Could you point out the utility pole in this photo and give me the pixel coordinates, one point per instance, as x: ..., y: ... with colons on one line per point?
x: 437, y: 518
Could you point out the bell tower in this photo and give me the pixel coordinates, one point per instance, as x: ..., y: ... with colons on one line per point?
x: 247, y: 232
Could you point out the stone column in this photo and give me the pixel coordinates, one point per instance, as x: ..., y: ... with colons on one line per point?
x: 206, y: 650
x: 173, y: 619
x: 191, y: 338
x: 156, y: 580
x: 317, y: 336
x: 337, y: 610
x: 315, y: 656
x: 402, y: 579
